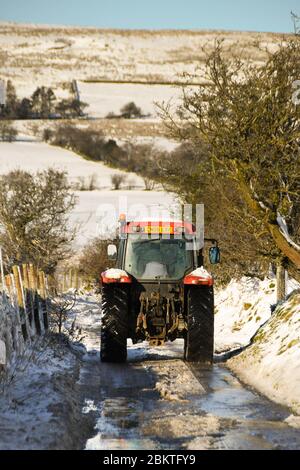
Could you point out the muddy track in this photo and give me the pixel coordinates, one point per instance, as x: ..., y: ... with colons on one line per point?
x: 157, y: 401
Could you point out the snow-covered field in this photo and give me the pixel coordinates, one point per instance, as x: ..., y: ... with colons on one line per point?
x: 33, y: 55
x: 36, y: 156
x: 95, y: 210
x: 104, y: 98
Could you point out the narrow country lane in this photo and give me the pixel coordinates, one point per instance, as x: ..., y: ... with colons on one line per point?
x: 157, y: 401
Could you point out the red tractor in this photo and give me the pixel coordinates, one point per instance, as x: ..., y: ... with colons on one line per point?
x: 159, y: 291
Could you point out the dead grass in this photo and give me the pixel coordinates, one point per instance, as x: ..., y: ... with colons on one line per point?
x: 115, y: 128
x: 154, y: 56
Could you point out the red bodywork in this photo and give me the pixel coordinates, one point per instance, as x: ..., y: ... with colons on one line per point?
x: 193, y: 280
x: 113, y: 280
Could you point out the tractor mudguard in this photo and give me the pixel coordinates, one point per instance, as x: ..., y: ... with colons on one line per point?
x: 199, y: 277
x: 115, y: 276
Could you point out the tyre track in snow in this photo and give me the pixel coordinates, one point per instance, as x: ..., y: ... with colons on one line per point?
x: 157, y: 401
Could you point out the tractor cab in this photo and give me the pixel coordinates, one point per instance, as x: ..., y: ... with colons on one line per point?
x: 160, y: 276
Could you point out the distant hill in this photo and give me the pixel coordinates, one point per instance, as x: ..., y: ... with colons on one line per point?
x: 34, y: 55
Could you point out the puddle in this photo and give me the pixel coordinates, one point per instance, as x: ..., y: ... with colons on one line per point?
x: 131, y: 413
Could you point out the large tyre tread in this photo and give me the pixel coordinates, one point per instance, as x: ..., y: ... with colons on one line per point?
x: 114, y: 326
x: 199, y: 341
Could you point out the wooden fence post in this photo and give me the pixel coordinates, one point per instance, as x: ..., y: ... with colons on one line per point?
x: 26, y: 290
x: 64, y: 286
x: 18, y: 333
x: 20, y: 301
x: 7, y: 280
x: 24, y: 306
x: 33, y: 288
x: 42, y: 299
x: 4, y: 289
x: 70, y: 279
x: 29, y: 298
x: 76, y: 279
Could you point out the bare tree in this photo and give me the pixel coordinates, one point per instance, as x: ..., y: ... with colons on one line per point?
x: 93, y: 259
x: 11, y: 104
x: 117, y: 180
x: 88, y: 183
x: 34, y: 218
x: 296, y: 21
x: 189, y: 172
x: 43, y: 102
x: 149, y: 183
x: 131, y: 110
x: 248, y: 119
x: 8, y: 132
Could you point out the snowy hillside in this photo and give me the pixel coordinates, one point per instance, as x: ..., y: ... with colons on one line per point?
x: 90, y: 214
x: 34, y: 156
x: 33, y: 55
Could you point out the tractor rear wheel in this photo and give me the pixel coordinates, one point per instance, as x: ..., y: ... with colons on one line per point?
x: 114, y: 327
x: 199, y: 340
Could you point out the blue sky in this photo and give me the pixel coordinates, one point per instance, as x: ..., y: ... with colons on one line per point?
x: 249, y: 15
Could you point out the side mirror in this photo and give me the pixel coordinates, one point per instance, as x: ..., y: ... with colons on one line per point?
x: 112, y: 252
x: 214, y: 255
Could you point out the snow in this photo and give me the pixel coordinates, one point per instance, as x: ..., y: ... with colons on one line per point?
x: 115, y: 273
x: 285, y: 232
x: 104, y: 98
x: 293, y: 421
x: 37, y: 156
x: 143, y: 351
x: 2, y: 353
x: 34, y: 399
x: 272, y: 363
x: 52, y: 56
x: 87, y: 314
x: 162, y: 143
x: 269, y: 356
x: 201, y: 272
x: 96, y: 212
x: 241, y: 307
x: 175, y: 386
